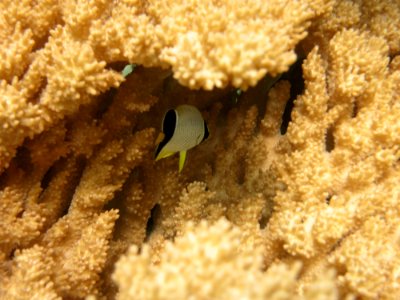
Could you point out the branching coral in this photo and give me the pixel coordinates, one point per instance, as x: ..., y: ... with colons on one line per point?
x: 24, y: 25
x: 205, y: 48
x: 37, y: 197
x: 371, y: 271
x: 362, y: 15
x: 348, y: 157
x: 325, y: 208
x: 230, y: 270
x: 307, y: 212
x: 70, y: 68
x: 50, y: 271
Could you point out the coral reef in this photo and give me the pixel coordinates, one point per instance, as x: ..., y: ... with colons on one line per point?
x: 293, y: 196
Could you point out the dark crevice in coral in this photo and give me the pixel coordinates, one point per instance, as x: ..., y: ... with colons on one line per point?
x: 3, y: 180
x: 20, y: 213
x: 328, y: 199
x: 241, y: 172
x: 295, y: 77
x: 168, y: 84
x: 104, y: 102
x: 155, y: 215
x: 23, y: 159
x: 263, y: 221
x: 336, y: 245
x: 355, y: 110
x: 40, y: 42
x: 117, y: 202
x: 121, y: 201
x: 329, y: 140
x: 393, y: 55
x: 264, y: 86
x: 286, y: 117
x: 11, y: 256
x: 64, y: 212
x: 74, y: 182
x: 81, y: 162
x: 48, y: 176
x: 259, y: 94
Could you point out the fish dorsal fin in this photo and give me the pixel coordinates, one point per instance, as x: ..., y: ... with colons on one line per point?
x: 206, y: 132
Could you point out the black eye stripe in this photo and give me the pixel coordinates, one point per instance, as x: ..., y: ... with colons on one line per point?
x: 168, y: 128
x: 169, y: 123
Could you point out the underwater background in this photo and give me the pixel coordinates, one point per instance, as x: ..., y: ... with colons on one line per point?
x: 294, y: 194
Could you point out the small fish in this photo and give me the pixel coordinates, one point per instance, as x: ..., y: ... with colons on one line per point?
x: 182, y: 129
x: 128, y: 69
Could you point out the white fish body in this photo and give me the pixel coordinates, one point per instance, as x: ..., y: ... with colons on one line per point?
x: 183, y: 128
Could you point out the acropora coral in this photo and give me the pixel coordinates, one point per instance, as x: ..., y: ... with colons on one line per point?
x: 294, y: 195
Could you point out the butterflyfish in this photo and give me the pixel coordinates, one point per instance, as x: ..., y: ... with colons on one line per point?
x: 182, y: 129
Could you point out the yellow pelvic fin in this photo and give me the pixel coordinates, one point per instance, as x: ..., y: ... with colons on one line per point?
x: 164, y: 154
x: 182, y: 158
x: 160, y: 138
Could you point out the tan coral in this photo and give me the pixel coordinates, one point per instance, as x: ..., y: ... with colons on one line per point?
x: 72, y: 64
x: 14, y: 56
x: 53, y: 269
x: 204, y: 48
x: 72, y: 73
x: 374, y: 16
x: 31, y: 277
x: 18, y: 118
x: 108, y: 170
x: 43, y: 195
x: 377, y: 15
x: 75, y: 155
x: 327, y: 195
x: 191, y: 205
x: 372, y: 270
x: 23, y: 25
x: 229, y: 269
x: 79, y: 249
x: 209, y: 54
x: 38, y: 16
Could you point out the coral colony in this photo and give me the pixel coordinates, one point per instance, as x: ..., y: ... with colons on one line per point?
x: 294, y: 194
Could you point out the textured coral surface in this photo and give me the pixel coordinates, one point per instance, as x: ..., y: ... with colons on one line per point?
x: 295, y: 194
